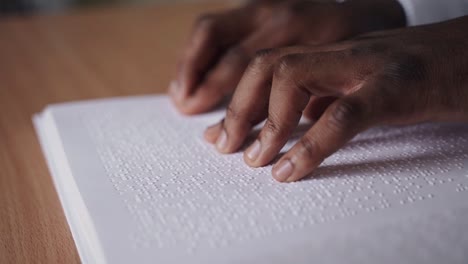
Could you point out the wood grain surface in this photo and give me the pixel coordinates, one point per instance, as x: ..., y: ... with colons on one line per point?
x: 84, y: 54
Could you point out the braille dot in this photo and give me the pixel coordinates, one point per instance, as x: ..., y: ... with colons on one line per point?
x: 171, y: 181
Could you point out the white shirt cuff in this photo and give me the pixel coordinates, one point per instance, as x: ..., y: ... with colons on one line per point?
x: 420, y: 12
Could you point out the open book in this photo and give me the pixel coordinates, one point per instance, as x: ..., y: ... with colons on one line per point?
x: 138, y: 184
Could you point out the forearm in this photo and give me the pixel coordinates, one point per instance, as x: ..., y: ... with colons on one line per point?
x: 450, y: 73
x: 371, y: 15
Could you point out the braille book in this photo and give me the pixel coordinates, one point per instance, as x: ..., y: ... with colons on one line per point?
x: 138, y: 184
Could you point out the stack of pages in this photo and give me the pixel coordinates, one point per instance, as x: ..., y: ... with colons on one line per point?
x: 138, y: 184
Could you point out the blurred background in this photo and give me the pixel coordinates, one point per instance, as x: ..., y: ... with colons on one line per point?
x: 47, y: 6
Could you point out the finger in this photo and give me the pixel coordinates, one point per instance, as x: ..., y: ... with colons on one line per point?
x: 220, y: 81
x: 211, y: 34
x: 341, y: 121
x: 211, y: 133
x: 249, y: 104
x: 296, y: 77
x: 316, y: 107
x: 224, y: 77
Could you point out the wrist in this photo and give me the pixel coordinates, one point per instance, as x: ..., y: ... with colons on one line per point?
x: 373, y: 15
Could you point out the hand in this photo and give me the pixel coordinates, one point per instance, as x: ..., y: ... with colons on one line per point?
x: 222, y: 45
x: 391, y: 77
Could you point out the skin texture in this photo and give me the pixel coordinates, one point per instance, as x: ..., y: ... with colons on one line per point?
x: 397, y: 77
x: 222, y: 44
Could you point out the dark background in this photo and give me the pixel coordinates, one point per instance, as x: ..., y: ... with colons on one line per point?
x: 8, y: 7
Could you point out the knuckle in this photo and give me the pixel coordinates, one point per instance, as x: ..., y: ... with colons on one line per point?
x: 232, y: 113
x: 272, y: 126
x: 406, y: 68
x: 261, y: 60
x: 275, y: 127
x: 308, y: 147
x: 263, y: 56
x: 292, y: 69
x: 346, y: 113
x: 286, y: 65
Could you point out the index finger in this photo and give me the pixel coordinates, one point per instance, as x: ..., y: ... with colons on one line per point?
x: 295, y: 79
x: 212, y: 34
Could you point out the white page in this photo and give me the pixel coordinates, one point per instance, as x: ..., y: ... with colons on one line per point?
x: 152, y: 191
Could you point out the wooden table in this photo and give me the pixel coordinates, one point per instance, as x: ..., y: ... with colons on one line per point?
x: 54, y: 58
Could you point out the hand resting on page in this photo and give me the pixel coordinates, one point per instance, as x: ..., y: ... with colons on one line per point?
x: 400, y: 76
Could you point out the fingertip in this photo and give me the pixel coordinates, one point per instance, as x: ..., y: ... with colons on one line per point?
x: 189, y: 105
x: 187, y: 110
x: 202, y: 100
x: 249, y: 162
x: 289, y: 180
x: 211, y: 133
x: 179, y: 99
x: 222, y: 142
x: 252, y: 153
x: 176, y: 91
x: 283, y: 170
x: 172, y: 87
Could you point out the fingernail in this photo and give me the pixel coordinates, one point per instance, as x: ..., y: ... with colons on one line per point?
x: 221, y: 143
x: 174, y: 89
x: 212, y: 126
x: 282, y: 170
x: 254, y: 150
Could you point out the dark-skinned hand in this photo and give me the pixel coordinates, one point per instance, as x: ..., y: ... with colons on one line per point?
x: 222, y: 44
x: 395, y: 77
